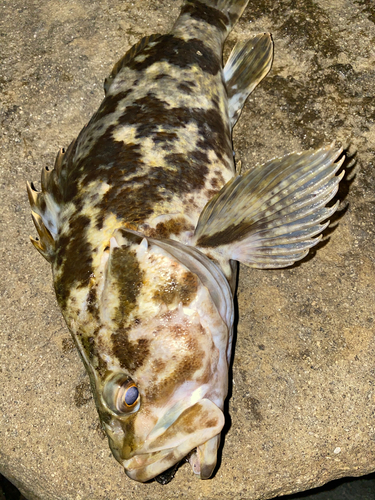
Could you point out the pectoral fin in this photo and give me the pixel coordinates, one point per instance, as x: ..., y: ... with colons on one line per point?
x: 268, y: 217
x: 248, y: 63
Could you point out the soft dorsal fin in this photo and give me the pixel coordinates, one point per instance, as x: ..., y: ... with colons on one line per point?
x: 130, y: 54
x: 248, y: 63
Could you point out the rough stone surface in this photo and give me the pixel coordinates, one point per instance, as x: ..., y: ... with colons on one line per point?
x: 303, y: 395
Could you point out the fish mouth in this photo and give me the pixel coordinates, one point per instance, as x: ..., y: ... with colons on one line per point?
x: 197, y: 428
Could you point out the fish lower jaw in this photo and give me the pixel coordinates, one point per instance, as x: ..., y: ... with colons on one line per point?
x: 143, y: 468
x: 202, y: 458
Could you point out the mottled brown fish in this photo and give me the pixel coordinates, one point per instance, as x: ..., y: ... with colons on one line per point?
x: 142, y: 219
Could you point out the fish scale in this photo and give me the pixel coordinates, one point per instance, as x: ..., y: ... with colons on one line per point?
x: 142, y: 219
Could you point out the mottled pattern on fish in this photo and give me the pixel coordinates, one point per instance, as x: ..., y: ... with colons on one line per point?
x: 156, y: 151
x: 134, y: 211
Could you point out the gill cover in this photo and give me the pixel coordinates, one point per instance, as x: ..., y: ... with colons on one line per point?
x: 193, y: 259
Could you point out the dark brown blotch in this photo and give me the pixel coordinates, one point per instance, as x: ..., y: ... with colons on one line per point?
x: 216, y: 135
x: 109, y: 104
x: 186, y: 87
x: 161, y: 76
x: 170, y: 227
x: 220, y: 177
x: 180, y: 53
x: 110, y: 160
x: 92, y: 303
x: 215, y: 183
x: 158, y: 366
x: 177, y: 291
x: 191, y: 168
x: 147, y: 113
x: 92, y: 352
x: 73, y: 259
x: 210, y: 193
x: 130, y: 203
x: 125, y: 274
x: 164, y: 137
x: 234, y: 232
x: 203, y: 12
x: 106, y: 159
x: 134, y: 201
x: 151, y: 115
x: 131, y: 354
x: 191, y: 362
x: 131, y: 237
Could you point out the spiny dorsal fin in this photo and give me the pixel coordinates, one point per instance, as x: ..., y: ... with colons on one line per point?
x: 45, y: 244
x: 130, y: 54
x: 268, y: 217
x: 46, y: 204
x: 248, y: 63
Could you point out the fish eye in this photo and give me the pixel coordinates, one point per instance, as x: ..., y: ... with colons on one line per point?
x: 127, y: 397
x: 121, y: 395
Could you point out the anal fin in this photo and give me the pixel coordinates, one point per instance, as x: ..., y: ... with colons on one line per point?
x: 248, y: 63
x: 269, y: 217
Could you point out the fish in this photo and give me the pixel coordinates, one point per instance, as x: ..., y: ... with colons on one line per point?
x: 144, y: 218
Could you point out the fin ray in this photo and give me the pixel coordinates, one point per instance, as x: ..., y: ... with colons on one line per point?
x: 46, y: 207
x: 275, y: 211
x: 248, y: 63
x: 45, y: 244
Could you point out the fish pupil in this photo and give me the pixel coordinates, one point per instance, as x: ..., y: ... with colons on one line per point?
x: 131, y: 396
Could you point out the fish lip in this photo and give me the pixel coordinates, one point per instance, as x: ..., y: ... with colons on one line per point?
x: 156, y: 464
x: 139, y: 466
x: 196, y: 426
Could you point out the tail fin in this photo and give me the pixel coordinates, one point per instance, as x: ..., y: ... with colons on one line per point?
x: 233, y: 8
x: 221, y: 13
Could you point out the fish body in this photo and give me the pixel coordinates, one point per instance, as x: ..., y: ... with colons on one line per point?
x: 142, y: 219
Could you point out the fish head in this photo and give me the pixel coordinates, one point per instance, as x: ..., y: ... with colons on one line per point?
x: 162, y: 349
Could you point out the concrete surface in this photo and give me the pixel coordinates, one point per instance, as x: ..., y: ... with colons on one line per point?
x: 303, y: 399
x: 355, y: 488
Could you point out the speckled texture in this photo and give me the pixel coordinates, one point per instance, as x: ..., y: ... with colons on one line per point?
x: 302, y: 400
